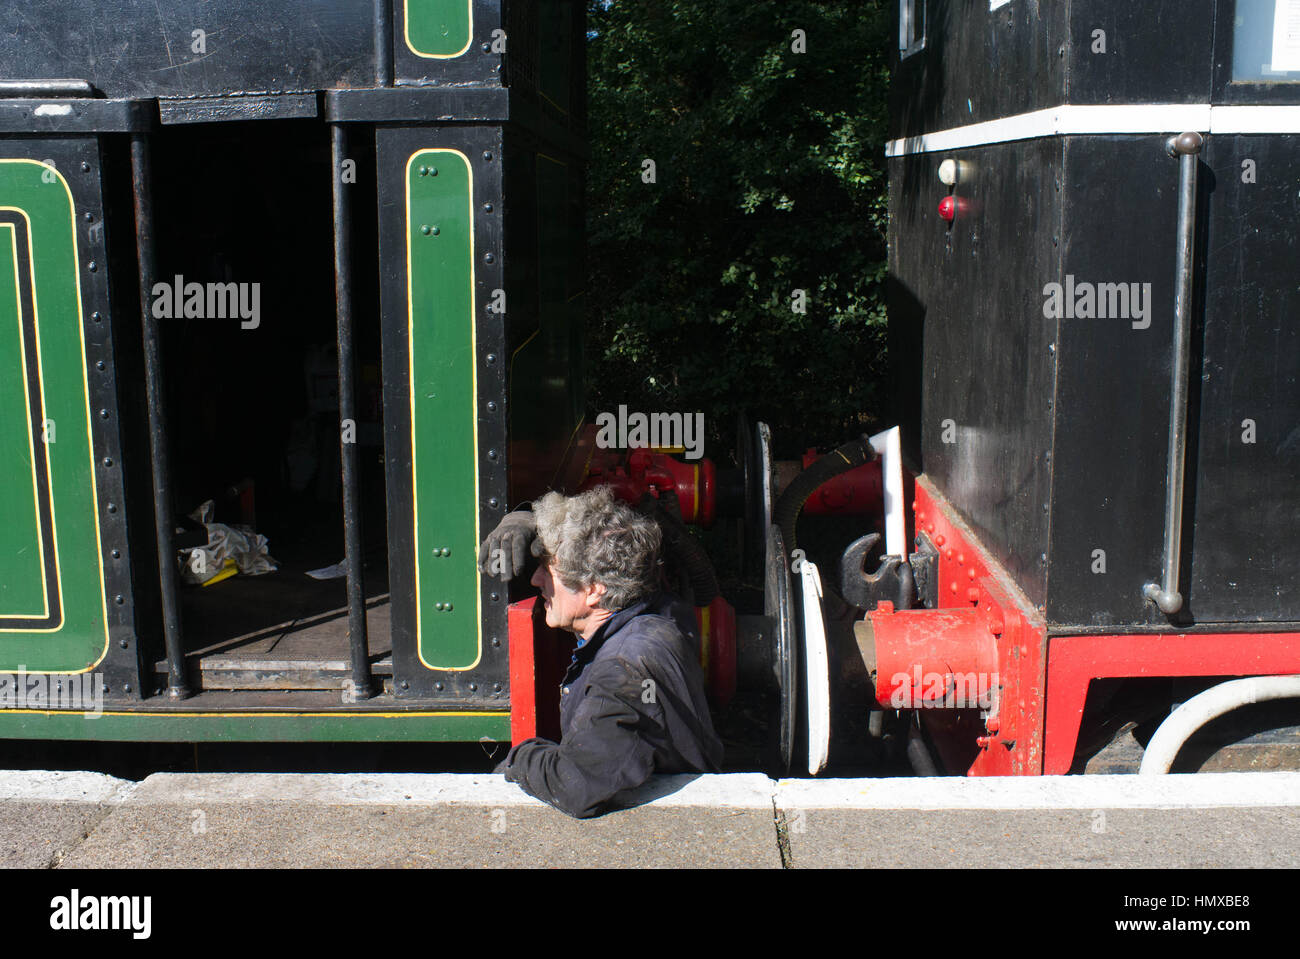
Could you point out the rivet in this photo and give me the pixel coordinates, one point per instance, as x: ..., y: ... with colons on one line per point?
x: 108, y: 461
x: 85, y: 167
x: 492, y: 406
x: 424, y: 171
x: 105, y: 687
x: 473, y: 687
x: 917, y: 541
x: 119, y: 599
x: 103, y: 414
x: 436, y: 231
x: 492, y: 454
x: 970, y: 574
x: 489, y: 258
x: 497, y: 687
x: 496, y: 597
x: 112, y: 507
x: 97, y: 316
x: 446, y: 551
x: 126, y: 689
x: 437, y: 686
x: 449, y: 607
x: 486, y: 48
x: 494, y: 502
x: 953, y: 587
x: 496, y: 641
x: 939, y: 540
x: 92, y: 266
x: 89, y: 217
x: 949, y: 553
x: 1051, y: 347
x: 491, y: 358
x: 123, y: 644
x: 437, y: 606
x: 1046, y: 507
x: 405, y: 684
x: 487, y: 207
x: 487, y: 155
x: 1042, y: 558
x: 426, y: 229
x: 99, y: 364
x: 973, y: 594
x: 116, y: 554
x: 1048, y: 456
x: 433, y: 171
x: 961, y: 559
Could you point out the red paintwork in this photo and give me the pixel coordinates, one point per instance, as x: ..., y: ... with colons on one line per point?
x: 948, y: 208
x: 538, y: 655
x: 920, y: 652
x: 1036, y: 672
x: 632, y: 473
x: 1075, y: 661
x: 860, y: 490
x: 717, y: 623
x: 1011, y: 741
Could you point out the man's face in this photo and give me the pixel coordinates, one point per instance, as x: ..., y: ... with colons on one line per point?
x: 565, y: 608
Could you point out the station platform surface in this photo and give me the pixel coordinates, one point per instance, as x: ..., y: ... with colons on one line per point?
x: 90, y: 820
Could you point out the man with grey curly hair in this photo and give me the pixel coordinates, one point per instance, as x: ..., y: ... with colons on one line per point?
x: 632, y: 702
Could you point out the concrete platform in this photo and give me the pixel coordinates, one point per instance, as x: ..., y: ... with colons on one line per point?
x: 86, y: 820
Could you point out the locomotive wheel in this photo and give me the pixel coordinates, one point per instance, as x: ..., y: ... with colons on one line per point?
x: 779, y: 606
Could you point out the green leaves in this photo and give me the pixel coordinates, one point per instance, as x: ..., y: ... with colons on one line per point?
x: 770, y: 178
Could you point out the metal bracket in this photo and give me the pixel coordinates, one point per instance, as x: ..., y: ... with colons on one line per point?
x: 895, y: 581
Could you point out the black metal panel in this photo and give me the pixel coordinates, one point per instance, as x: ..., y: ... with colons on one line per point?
x: 964, y: 73
x: 545, y: 283
x: 987, y: 368
x: 483, y: 145
x: 1156, y: 51
x: 143, y: 49
x: 1245, y: 562
x: 1113, y: 383
x: 74, y: 116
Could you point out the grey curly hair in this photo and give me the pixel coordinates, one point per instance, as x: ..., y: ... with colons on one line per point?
x: 594, y: 538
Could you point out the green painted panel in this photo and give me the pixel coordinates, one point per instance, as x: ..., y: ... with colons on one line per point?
x: 73, y: 636
x: 22, y: 578
x: 175, y: 727
x: 438, y: 28
x: 444, y: 441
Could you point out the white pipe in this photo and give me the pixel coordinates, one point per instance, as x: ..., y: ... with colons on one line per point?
x: 1163, y: 748
x: 888, y: 445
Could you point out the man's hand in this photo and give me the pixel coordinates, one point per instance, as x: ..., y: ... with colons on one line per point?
x: 505, y: 551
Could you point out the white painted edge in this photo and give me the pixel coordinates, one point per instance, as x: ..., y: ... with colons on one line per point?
x: 742, y: 790
x: 997, y: 4
x: 1179, y: 791
x: 42, y: 785
x: 817, y: 680
x: 1101, y: 119
x: 726, y: 791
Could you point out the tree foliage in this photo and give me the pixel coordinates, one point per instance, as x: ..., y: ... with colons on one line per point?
x: 770, y: 178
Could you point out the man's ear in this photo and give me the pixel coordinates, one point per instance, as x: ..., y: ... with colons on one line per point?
x: 595, y: 593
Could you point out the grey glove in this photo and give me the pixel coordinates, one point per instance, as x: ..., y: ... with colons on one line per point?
x: 506, y: 549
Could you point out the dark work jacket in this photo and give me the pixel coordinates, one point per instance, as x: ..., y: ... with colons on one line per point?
x: 632, y: 704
